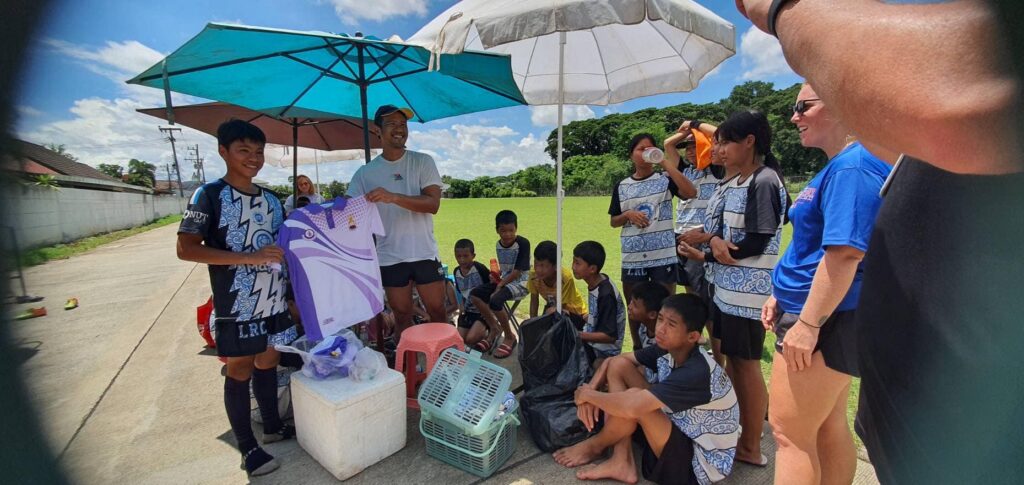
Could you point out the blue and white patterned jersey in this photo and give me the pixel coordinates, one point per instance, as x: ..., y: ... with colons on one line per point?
x: 232, y: 220
x: 654, y: 245
x: 742, y: 289
x: 690, y: 212
x: 700, y: 401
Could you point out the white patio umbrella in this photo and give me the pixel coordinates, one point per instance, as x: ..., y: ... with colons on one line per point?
x: 587, y: 51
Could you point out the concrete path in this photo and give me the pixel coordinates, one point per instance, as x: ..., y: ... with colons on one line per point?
x: 126, y: 391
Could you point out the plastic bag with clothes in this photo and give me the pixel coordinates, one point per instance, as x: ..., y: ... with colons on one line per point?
x: 554, y: 364
x: 332, y: 356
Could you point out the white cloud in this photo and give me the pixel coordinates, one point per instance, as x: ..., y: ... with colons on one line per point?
x: 761, y: 55
x: 546, y: 116
x: 25, y: 110
x: 117, y: 60
x: 351, y: 11
x: 467, y: 152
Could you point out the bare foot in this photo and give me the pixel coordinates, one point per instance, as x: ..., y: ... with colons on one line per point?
x: 579, y: 454
x: 752, y: 459
x: 613, y: 469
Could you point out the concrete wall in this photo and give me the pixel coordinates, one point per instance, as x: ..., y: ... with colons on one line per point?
x: 44, y: 217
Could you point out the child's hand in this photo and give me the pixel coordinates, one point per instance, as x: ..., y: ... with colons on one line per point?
x: 637, y: 218
x: 589, y: 414
x: 266, y: 255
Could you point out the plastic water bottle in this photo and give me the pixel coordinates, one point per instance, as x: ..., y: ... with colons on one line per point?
x: 495, y: 270
x: 653, y: 155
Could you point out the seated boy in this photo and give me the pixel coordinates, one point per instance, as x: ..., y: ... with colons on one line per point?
x: 644, y: 305
x: 514, y: 261
x: 687, y: 421
x: 248, y: 295
x: 542, y: 283
x: 469, y: 275
x: 606, y: 318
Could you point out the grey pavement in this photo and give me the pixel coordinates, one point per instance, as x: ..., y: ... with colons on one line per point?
x: 126, y: 392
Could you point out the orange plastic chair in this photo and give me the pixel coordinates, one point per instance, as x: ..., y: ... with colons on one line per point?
x: 430, y: 339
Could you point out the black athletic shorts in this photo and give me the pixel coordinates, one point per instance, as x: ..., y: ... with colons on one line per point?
x: 240, y: 339
x: 419, y: 272
x: 674, y: 466
x: 659, y: 274
x: 466, y: 320
x: 495, y: 301
x: 837, y: 340
x: 742, y: 338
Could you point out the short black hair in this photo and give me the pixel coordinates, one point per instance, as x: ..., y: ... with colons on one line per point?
x: 639, y: 137
x: 651, y: 293
x: 465, y: 244
x: 691, y: 308
x: 505, y: 217
x: 591, y: 252
x: 546, y: 251
x: 235, y: 129
x: 301, y: 202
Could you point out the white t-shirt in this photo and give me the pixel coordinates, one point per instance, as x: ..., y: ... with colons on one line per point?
x: 409, y: 235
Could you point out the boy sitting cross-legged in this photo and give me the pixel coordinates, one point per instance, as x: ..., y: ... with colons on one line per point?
x: 688, y: 418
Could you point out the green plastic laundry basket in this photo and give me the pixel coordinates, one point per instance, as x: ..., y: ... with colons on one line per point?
x: 464, y: 390
x: 480, y: 455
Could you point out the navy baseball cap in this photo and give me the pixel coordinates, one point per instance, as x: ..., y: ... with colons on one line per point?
x: 390, y: 108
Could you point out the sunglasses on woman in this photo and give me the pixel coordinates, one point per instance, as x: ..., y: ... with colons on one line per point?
x: 801, y: 106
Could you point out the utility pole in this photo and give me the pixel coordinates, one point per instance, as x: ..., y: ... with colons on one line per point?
x: 170, y: 136
x: 197, y: 164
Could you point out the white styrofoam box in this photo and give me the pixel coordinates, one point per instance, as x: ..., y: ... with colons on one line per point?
x: 348, y: 425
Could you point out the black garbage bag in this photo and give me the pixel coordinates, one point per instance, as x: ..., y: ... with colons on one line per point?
x: 554, y: 365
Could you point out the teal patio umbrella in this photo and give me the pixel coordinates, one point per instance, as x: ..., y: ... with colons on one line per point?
x: 299, y: 75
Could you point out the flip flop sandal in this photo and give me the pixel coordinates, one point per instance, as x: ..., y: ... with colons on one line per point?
x: 31, y: 313
x: 71, y: 304
x: 506, y: 349
x: 483, y: 346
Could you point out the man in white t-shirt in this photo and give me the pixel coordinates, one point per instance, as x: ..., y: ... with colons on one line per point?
x: 406, y: 187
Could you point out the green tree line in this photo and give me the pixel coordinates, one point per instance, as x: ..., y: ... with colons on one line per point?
x: 595, y: 155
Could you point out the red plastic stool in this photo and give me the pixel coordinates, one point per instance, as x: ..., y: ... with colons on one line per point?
x: 430, y: 339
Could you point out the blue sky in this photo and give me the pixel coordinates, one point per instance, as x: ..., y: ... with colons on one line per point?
x: 73, y: 89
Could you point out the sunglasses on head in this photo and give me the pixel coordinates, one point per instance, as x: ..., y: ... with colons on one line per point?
x: 686, y: 144
x: 801, y: 106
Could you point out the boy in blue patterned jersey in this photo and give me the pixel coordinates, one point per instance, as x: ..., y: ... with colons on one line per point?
x: 231, y: 225
x: 687, y: 420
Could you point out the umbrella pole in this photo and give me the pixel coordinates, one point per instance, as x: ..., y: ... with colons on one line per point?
x: 559, y: 194
x: 362, y: 102
x: 316, y: 164
x: 295, y: 162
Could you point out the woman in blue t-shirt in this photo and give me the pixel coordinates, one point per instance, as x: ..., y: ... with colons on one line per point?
x: 814, y: 293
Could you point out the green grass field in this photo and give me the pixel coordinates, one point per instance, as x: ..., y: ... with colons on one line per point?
x: 584, y: 218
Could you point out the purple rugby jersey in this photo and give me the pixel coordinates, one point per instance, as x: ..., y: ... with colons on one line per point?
x: 332, y: 264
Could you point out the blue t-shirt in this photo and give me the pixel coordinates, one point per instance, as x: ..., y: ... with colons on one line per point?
x: 837, y: 208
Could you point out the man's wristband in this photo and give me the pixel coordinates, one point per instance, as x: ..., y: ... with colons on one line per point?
x: 773, y: 15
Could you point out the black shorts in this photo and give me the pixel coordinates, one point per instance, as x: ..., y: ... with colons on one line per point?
x: 659, y: 274
x: 837, y: 340
x: 674, y: 466
x: 495, y: 301
x: 240, y: 339
x: 419, y: 272
x: 466, y: 320
x: 742, y: 338
x: 691, y: 273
